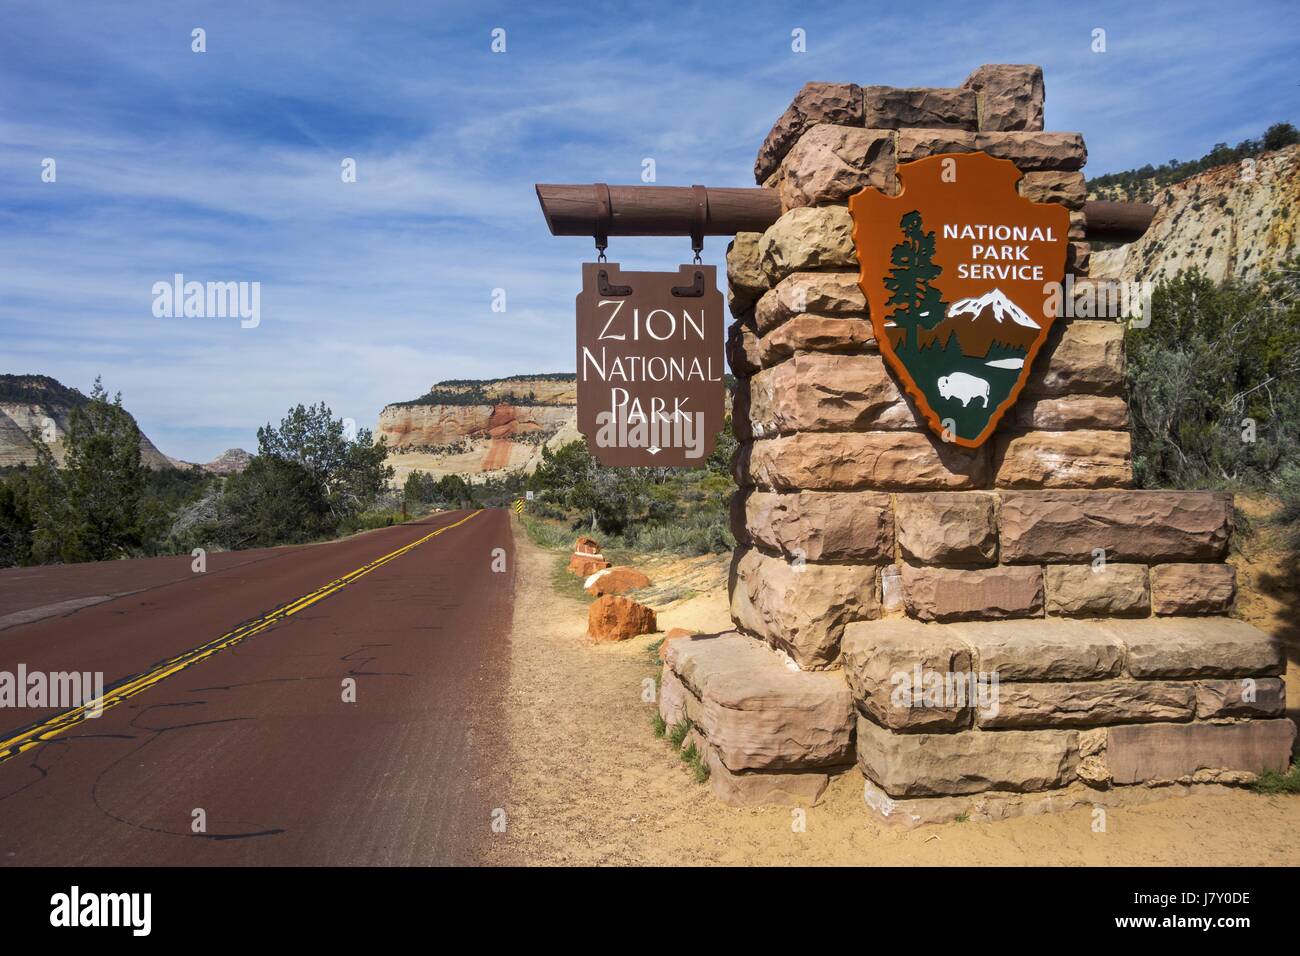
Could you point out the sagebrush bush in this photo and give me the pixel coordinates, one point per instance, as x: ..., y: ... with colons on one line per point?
x: 1214, y: 382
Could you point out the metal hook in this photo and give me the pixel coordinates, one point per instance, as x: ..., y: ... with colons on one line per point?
x: 701, y: 196
x: 604, y: 217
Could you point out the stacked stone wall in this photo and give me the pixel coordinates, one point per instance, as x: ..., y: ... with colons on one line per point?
x: 869, y: 547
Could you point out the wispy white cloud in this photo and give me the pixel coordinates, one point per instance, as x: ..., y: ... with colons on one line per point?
x: 225, y: 166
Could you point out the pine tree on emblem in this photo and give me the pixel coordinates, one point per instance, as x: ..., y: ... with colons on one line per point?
x: 916, y: 303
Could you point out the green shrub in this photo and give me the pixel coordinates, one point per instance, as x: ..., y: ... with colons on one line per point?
x: 1214, y: 382
x: 1270, y: 781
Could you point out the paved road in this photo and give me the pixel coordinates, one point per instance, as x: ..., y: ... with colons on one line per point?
x: 231, y: 686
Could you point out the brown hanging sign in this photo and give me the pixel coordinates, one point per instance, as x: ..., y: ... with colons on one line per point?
x: 962, y: 277
x: 650, y: 365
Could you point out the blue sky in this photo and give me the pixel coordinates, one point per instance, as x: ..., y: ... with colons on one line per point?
x: 225, y: 165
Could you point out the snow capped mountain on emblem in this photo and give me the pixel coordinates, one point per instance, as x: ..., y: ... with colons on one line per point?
x: 1001, y: 307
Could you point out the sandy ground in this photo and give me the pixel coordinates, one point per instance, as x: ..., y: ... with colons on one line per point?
x: 591, y: 784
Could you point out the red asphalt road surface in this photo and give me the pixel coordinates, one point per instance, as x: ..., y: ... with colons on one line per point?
x: 258, y: 736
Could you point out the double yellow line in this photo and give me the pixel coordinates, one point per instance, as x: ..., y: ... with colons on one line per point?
x: 42, y: 731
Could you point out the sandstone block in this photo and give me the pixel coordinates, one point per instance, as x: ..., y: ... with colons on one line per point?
x: 1078, y: 258
x: 947, y: 527
x: 1088, y: 703
x: 816, y: 333
x: 1078, y: 231
x: 993, y: 806
x: 585, y: 565
x: 764, y: 788
x: 1102, y: 299
x: 1193, y: 588
x: 616, y: 580
x: 740, y: 425
x: 1111, y: 590
x: 836, y: 103
x: 673, y: 698
x: 806, y: 239
x: 1105, y: 412
x: 672, y: 635
x: 1146, y: 526
x: 742, y: 349
x: 830, y: 163
x: 914, y: 144
x: 822, y: 293
x: 1010, y: 96
x: 822, y: 525
x: 1033, y: 151
x: 614, y: 618
x: 948, y: 594
x: 737, y: 514
x: 1080, y: 358
x: 891, y: 590
x: 816, y: 392
x: 1199, y: 647
x: 1066, y: 188
x: 745, y: 278
x: 887, y: 664
x: 1083, y: 458
x: 742, y: 459
x: 969, y: 761
x: 1240, y: 697
x: 756, y: 712
x: 851, y: 460
x: 1055, y: 649
x: 801, y: 609
x: 1173, y: 751
x: 888, y: 107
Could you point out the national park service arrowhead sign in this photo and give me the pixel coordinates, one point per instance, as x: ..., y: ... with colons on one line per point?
x: 958, y: 271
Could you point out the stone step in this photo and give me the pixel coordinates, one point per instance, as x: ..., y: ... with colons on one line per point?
x: 1060, y: 649
x: 755, y: 709
x: 1044, y: 703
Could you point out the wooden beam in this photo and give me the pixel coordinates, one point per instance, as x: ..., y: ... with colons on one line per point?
x: 657, y: 210
x: 672, y: 211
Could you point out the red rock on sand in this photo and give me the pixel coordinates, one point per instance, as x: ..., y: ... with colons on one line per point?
x: 584, y: 565
x: 587, y: 558
x: 616, y: 580
x: 614, y: 618
x: 672, y: 635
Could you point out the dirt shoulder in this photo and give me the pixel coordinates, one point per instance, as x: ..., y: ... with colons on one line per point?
x: 591, y: 784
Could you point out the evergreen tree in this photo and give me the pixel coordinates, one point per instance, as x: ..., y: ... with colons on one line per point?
x: 915, y: 301
x: 92, y: 508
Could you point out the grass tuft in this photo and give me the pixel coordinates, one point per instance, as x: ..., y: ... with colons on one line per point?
x: 1270, y: 781
x: 695, y: 760
x: 660, y: 725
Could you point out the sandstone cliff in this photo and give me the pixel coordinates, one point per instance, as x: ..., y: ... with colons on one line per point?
x: 41, y: 405
x: 1236, y: 220
x: 471, y: 427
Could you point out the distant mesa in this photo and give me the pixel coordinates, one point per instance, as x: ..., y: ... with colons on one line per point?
x: 475, y: 426
x: 43, y: 405
x: 229, y: 462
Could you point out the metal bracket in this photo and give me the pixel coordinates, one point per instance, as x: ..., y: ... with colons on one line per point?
x: 603, y: 286
x: 693, y: 291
